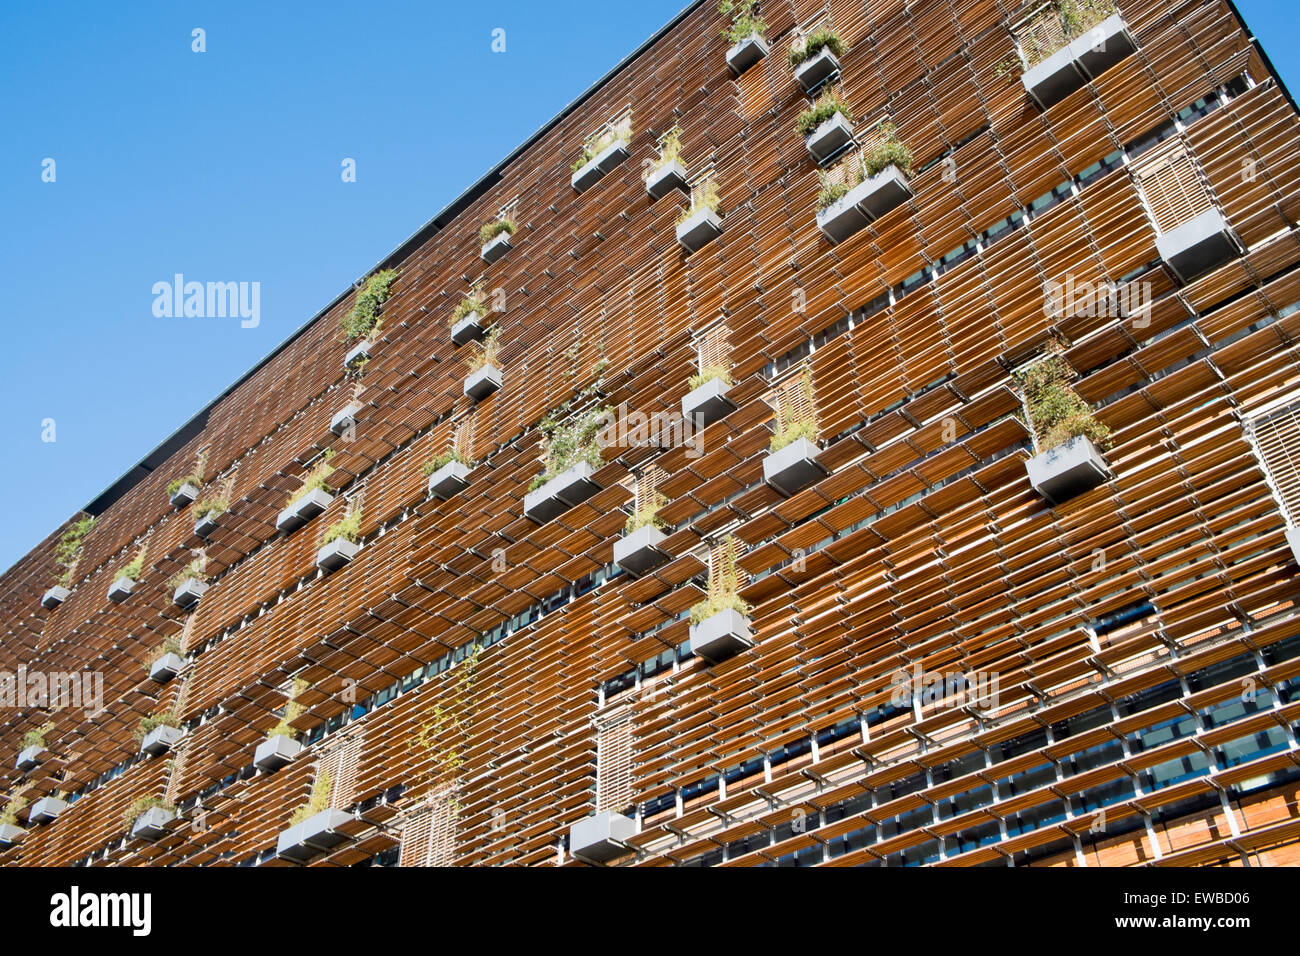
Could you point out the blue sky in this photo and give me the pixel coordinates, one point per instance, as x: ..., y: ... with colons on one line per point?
x: 225, y: 166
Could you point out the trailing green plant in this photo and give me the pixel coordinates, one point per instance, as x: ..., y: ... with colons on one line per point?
x: 745, y: 21
x: 571, y: 439
x: 1057, y: 413
x: 213, y: 505
x: 796, y: 420
x: 13, y: 806
x: 485, y: 352
x: 647, y: 516
x: 827, y: 104
x: 670, y: 150
x: 593, y: 148
x: 1075, y: 17
x: 837, y: 182
x: 469, y: 305
x: 364, y: 317
x: 141, y: 805
x: 135, y: 567
x: 292, y: 711
x: 490, y: 230
x: 70, y: 545
x: 194, y: 478
x: 148, y: 725
x: 347, y: 528
x: 36, y: 738
x: 825, y: 37
x: 724, y: 586
x: 888, y: 151
x: 447, y: 734
x: 443, y: 460
x: 192, y: 570
x: 315, y: 480
x: 709, y: 373
x: 318, y: 802
x: 169, y: 646
x: 703, y: 196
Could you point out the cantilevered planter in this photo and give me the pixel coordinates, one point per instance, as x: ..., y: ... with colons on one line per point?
x: 703, y: 226
x: 29, y: 758
x: 640, y: 551
x: 345, y: 418
x: 206, y: 524
x: 664, y: 179
x: 312, y: 837
x: 830, y: 137
x: 54, y: 597
x: 1199, y: 245
x: 708, y: 403
x: 189, y: 592
x: 160, y: 740
x: 303, y: 510
x: 561, y: 493
x: 1068, y: 470
x: 184, y: 495
x: 120, y: 590
x: 46, y: 810
x: 811, y: 72
x: 357, y: 353
x: 166, y: 667
x: 275, y: 752
x: 1085, y: 58
x: 10, y: 834
x: 337, y: 553
x: 496, y: 247
x: 794, y: 467
x: 602, y: 837
x: 746, y: 53
x: 152, y: 824
x: 483, y: 382
x: 720, y: 636
x: 869, y: 200
x: 469, y: 329
x: 600, y: 164
x: 451, y: 479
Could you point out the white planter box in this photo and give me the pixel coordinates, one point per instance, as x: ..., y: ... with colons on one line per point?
x: 746, y: 53
x: 357, y: 353
x: 152, y: 824
x: 29, y: 758
x: 1087, y: 57
x: 54, y: 597
x: 303, y: 510
x: 451, y: 479
x: 600, y: 164
x: 561, y: 493
x: 702, y: 227
x: 184, y: 495
x: 120, y: 590
x: 206, y: 525
x: 10, y: 834
x: 188, y: 594
x: 830, y: 137
x: 869, y: 200
x: 160, y: 740
x: 708, y: 403
x: 794, y: 467
x: 602, y: 837
x: 1293, y: 539
x: 1199, y: 245
x: 469, y: 329
x: 496, y: 247
x: 665, y: 179
x: 46, y: 810
x: 166, y: 667
x: 311, y: 837
x: 275, y: 752
x: 337, y: 553
x: 1068, y: 470
x: 811, y: 72
x: 483, y: 382
x: 346, y: 418
x: 720, y: 636
x: 639, y: 551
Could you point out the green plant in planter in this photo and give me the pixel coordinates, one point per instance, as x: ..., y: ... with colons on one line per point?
x: 647, y: 516
x: 571, y: 440
x: 315, y: 480
x: 192, y: 570
x: 703, y: 196
x: 484, y: 352
x: 745, y: 21
x: 888, y: 151
x: 724, y: 587
x: 608, y: 138
x: 292, y: 711
x: 348, y: 528
x: 837, y: 182
x: 474, y: 302
x: 213, y: 505
x: 447, y: 735
x: 825, y: 37
x: 1075, y: 18
x: 14, y: 806
x: 318, y: 802
x: 364, y: 316
x: 796, y: 419
x: 148, y: 725
x: 1057, y: 413
x: 36, y: 738
x: 445, y: 459
x: 169, y: 646
x: 709, y: 373
x: 141, y: 805
x: 490, y: 230
x: 670, y: 150
x: 827, y: 104
x: 133, y: 569
x: 193, y: 478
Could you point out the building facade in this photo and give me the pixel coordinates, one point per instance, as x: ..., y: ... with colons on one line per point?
x: 871, y: 437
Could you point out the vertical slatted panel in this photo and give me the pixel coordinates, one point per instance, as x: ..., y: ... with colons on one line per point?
x: 1042, y: 34
x: 713, y: 346
x: 794, y: 398
x: 416, y: 833
x: 1277, y: 436
x: 647, y: 488
x: 1172, y: 185
x: 429, y: 833
x: 340, y: 762
x: 614, y: 759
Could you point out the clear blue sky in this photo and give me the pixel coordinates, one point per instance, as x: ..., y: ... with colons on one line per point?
x: 225, y: 166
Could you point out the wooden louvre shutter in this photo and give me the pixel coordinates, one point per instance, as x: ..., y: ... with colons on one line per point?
x: 1172, y: 185
x: 1277, y: 437
x: 793, y: 399
x: 429, y: 832
x: 614, y: 759
x: 1042, y: 34
x: 647, y: 489
x: 713, y: 347
x: 340, y: 762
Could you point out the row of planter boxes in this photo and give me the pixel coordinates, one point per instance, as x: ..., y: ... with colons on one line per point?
x: 185, y: 494
x: 603, y: 162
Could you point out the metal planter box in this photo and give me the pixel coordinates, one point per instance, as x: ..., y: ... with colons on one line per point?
x: 665, y: 179
x: 303, y: 510
x: 357, y: 353
x: 602, y: 837
x: 720, y: 636
x: 206, y: 525
x: 639, y: 551
x: 867, y: 201
x: 451, y: 479
x: 468, y: 329
x: 483, y: 382
x: 337, y: 553
x: 54, y: 597
x: 701, y: 228
x: 708, y: 403
x: 276, y: 752
x: 746, y: 53
x: 166, y: 667
x: 1068, y: 470
x: 1087, y: 57
x: 188, y: 594
x: 561, y: 493
x: 496, y: 247
x: 120, y: 590
x: 312, y: 837
x: 184, y: 495
x: 46, y: 810
x: 1293, y: 539
x: 29, y: 758
x: 152, y: 824
x: 346, y: 418
x: 1199, y: 245
x: 793, y: 467
x: 160, y: 740
x: 10, y: 834
x: 600, y: 164
x: 830, y: 137
x: 811, y: 72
